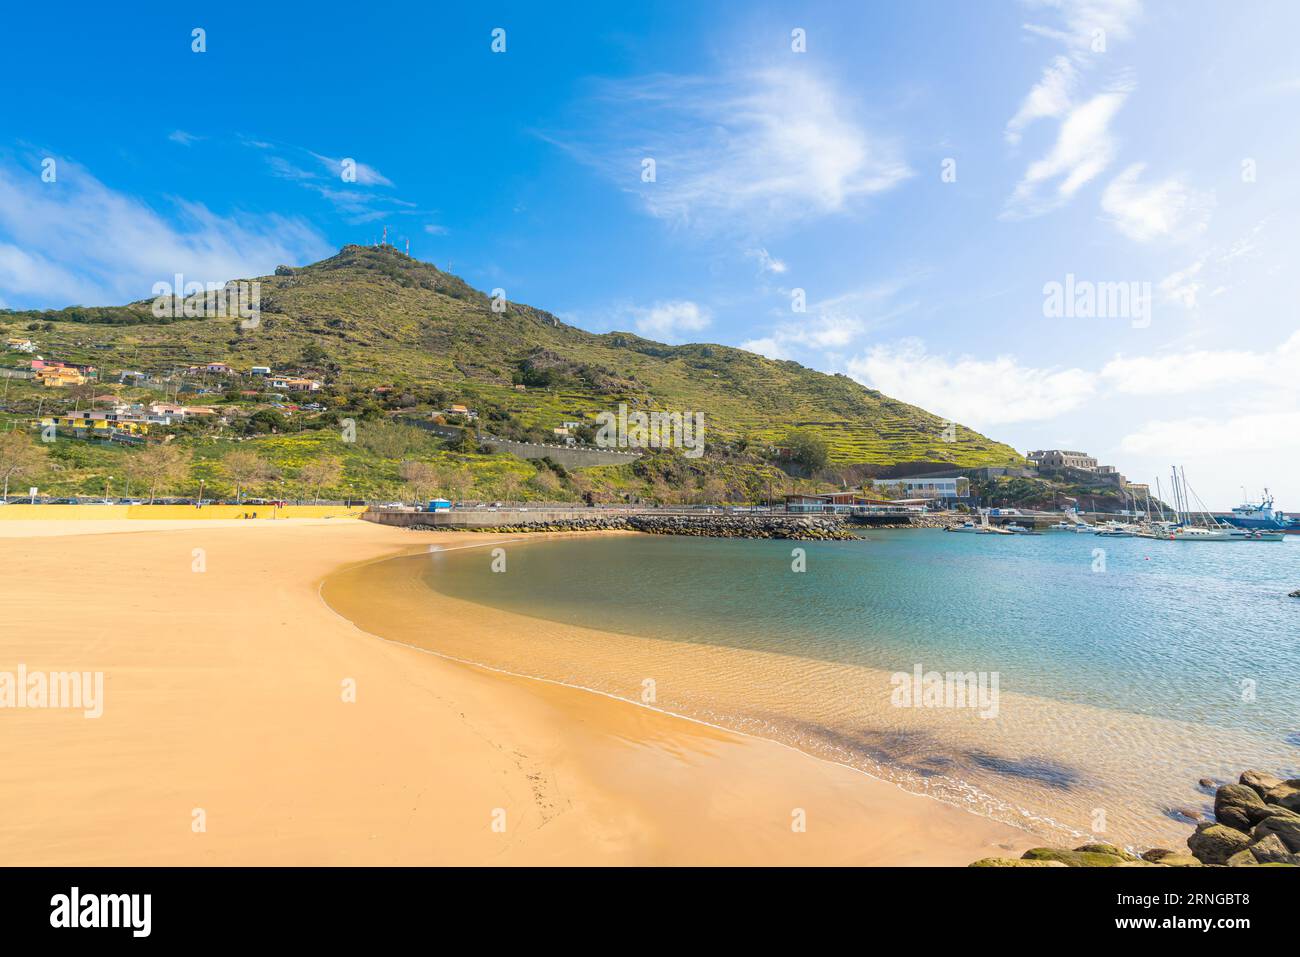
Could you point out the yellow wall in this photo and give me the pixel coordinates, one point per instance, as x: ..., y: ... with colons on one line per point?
x: 119, y: 512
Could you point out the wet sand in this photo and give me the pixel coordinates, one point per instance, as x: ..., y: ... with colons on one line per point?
x: 224, y: 704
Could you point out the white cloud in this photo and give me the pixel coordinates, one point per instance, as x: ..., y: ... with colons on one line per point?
x: 767, y: 346
x: 1184, y: 286
x: 1084, y: 145
x: 1167, y: 209
x: 433, y: 229
x: 831, y: 324
x: 78, y: 242
x: 1082, y: 19
x: 1259, y: 432
x: 980, y: 392
x: 366, y: 175
x: 1049, y: 98
x: 667, y: 321
x: 183, y: 138
x: 1202, y: 370
x: 766, y: 261
x: 758, y: 149
x: 1084, y: 148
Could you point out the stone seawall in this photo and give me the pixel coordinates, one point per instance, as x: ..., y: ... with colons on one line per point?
x: 800, y: 528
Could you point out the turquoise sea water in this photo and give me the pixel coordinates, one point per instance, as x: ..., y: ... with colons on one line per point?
x: 1128, y: 669
x: 1170, y: 629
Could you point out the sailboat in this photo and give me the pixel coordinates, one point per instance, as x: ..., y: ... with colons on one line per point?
x: 1187, y: 530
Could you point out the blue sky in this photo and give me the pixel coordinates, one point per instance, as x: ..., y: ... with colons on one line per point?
x: 1115, y: 141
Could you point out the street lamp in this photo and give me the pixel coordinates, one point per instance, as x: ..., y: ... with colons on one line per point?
x: 107, y: 481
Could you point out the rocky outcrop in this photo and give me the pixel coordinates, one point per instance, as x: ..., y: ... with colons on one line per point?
x: 1215, y: 843
x: 796, y: 528
x: 1257, y: 824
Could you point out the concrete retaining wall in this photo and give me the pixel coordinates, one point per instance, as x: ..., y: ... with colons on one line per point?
x: 482, y: 517
x: 571, y: 457
x: 82, y: 513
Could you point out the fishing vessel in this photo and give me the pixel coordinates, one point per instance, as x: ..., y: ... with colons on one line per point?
x: 1262, y: 516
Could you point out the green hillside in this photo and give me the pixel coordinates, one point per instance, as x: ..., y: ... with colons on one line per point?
x: 371, y: 317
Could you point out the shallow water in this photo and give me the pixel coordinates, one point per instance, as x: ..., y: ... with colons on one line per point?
x: 1123, y: 675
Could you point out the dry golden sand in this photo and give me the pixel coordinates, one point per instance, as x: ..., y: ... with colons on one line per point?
x: 223, y: 691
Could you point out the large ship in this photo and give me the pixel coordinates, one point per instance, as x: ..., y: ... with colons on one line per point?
x: 1261, y: 515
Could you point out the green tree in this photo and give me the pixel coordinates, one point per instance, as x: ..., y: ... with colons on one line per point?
x: 421, y: 478
x: 19, y: 456
x: 247, y: 470
x: 158, y: 467
x: 808, y: 449
x: 321, y: 473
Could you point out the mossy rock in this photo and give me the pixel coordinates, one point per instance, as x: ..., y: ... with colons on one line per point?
x: 1242, y: 859
x: 1157, y: 854
x: 1014, y: 862
x: 1072, y: 858
x: 1180, y: 860
x: 1215, y: 843
x: 1099, y: 848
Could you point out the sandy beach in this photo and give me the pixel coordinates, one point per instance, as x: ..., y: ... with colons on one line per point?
x: 226, y: 737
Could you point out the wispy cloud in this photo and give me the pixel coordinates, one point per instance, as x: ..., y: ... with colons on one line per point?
x: 365, y: 175
x: 1084, y: 146
x: 981, y: 392
x: 670, y: 321
x: 766, y: 261
x: 1177, y: 373
x: 79, y: 242
x: 183, y: 138
x: 830, y: 325
x: 1167, y: 209
x: 1082, y: 24
x: 346, y: 183
x: 759, y: 150
x: 1049, y: 98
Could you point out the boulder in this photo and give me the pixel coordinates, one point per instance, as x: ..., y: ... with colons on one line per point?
x: 1242, y: 859
x: 1180, y: 860
x: 1260, y: 781
x: 1157, y: 854
x: 1270, y: 850
x: 1286, y: 794
x: 1294, y: 594
x: 1107, y: 849
x: 1239, y: 806
x: 1286, y: 826
x: 1072, y: 858
x: 1014, y: 862
x: 1215, y: 843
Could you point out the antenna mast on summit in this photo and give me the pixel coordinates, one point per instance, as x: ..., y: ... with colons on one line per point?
x: 384, y: 241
